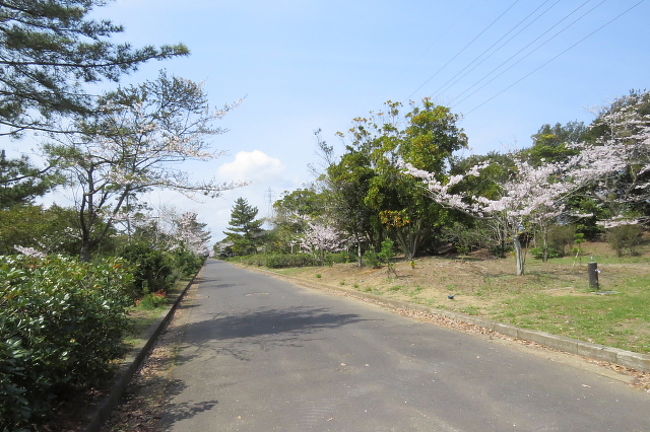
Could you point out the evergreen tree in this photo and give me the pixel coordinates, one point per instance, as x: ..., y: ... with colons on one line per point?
x: 20, y: 181
x: 47, y: 49
x: 244, y: 230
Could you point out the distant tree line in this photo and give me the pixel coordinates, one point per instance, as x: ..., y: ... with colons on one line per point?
x: 405, y: 176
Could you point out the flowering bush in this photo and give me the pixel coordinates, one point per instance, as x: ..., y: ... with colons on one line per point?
x: 61, y: 323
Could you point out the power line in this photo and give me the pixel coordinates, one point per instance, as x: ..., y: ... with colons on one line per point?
x: 555, y: 57
x: 499, y: 66
x: 478, y: 60
x: 463, y: 49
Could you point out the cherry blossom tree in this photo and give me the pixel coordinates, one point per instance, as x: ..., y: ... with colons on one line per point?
x: 320, y: 239
x: 532, y: 195
x: 615, y: 168
x: 617, y: 165
x: 191, y: 234
x: 135, y: 142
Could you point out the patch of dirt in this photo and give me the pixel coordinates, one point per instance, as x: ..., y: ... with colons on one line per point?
x: 74, y: 414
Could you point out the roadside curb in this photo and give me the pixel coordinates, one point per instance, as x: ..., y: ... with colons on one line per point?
x: 132, y: 363
x: 632, y: 360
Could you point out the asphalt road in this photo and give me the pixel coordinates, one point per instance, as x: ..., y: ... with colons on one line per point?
x: 260, y: 354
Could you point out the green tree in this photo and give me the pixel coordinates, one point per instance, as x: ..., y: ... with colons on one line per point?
x: 292, y: 212
x: 21, y: 182
x: 349, y: 182
x: 424, y: 137
x: 244, y: 231
x: 52, y: 230
x: 48, y: 49
x: 551, y: 143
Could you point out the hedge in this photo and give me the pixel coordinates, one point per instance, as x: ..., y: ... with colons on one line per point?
x: 61, y: 323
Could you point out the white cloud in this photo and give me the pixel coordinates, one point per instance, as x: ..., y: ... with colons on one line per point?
x: 251, y: 166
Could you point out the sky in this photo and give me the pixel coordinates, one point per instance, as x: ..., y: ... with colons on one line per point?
x: 505, y: 66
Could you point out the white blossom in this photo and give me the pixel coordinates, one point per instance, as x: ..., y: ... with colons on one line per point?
x: 320, y: 238
x: 30, y: 251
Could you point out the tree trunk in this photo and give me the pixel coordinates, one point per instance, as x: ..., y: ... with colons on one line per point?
x: 520, y: 256
x: 86, y: 250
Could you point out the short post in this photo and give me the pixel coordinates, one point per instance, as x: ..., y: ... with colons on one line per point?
x: 592, y: 269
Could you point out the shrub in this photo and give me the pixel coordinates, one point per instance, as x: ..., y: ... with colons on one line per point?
x: 186, y: 262
x: 153, y: 300
x: 386, y: 256
x: 560, y: 237
x: 538, y: 253
x: 61, y: 323
x: 155, y: 268
x: 278, y: 260
x: 625, y: 238
x: 371, y: 259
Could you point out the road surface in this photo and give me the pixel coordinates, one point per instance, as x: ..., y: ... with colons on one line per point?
x: 260, y: 354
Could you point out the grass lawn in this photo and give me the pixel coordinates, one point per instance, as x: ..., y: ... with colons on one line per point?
x: 552, y: 296
x: 142, y: 317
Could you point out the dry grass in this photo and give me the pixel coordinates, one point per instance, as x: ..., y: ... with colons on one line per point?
x: 552, y: 296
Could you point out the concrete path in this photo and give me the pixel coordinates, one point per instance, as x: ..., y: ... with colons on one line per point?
x: 259, y: 354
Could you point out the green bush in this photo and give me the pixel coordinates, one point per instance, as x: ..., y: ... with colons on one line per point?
x: 155, y: 268
x: 282, y: 260
x: 61, y: 323
x: 186, y: 263
x: 371, y: 259
x: 153, y: 300
x: 538, y: 253
x: 560, y: 237
x: 386, y: 256
x: 625, y: 238
x: 339, y: 257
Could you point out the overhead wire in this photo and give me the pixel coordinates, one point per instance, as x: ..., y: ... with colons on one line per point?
x: 555, y: 57
x: 478, y: 60
x: 462, y: 50
x: 464, y: 96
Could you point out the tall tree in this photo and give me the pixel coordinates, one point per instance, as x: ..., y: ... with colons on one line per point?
x: 292, y: 213
x: 21, y: 182
x: 191, y: 234
x: 553, y: 143
x: 349, y: 182
x: 48, y: 48
x: 244, y: 231
x: 131, y: 144
x: 425, y: 137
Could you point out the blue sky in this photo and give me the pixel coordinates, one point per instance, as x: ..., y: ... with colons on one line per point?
x: 304, y: 65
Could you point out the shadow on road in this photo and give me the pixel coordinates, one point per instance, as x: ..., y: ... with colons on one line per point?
x: 148, y: 405
x: 238, y: 335
x: 295, y: 320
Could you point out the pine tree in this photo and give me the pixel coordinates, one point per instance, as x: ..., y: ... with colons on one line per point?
x: 48, y: 48
x: 20, y: 181
x: 244, y: 230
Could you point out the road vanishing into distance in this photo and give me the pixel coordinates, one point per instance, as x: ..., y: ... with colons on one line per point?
x: 259, y: 354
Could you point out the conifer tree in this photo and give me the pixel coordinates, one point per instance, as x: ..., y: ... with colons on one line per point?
x: 244, y: 230
x: 21, y: 182
x: 48, y: 49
